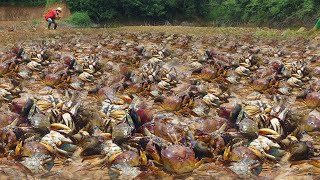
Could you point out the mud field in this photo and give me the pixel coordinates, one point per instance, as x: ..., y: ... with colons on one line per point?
x: 158, y: 103
x: 22, y: 13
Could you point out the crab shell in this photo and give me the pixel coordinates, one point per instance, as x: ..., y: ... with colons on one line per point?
x: 172, y: 103
x: 145, y: 115
x: 260, y: 84
x: 21, y: 105
x: 52, y: 79
x: 4, y: 68
x: 313, y: 121
x: 230, y: 111
x: 130, y: 157
x: 121, y: 132
x: 33, y: 147
x: 167, y: 131
x: 242, y: 152
x: 178, y: 159
x: 10, y: 137
x: 7, y: 118
x: 313, y: 99
x: 152, y: 151
x: 207, y: 73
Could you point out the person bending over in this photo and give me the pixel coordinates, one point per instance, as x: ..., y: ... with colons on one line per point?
x: 52, y: 15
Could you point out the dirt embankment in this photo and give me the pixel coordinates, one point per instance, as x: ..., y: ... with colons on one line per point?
x: 19, y: 13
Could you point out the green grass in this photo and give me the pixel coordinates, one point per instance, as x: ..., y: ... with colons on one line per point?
x: 35, y: 22
x: 283, y: 34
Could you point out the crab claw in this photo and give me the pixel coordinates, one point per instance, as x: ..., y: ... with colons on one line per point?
x: 226, y: 153
x: 118, y: 114
x: 86, y: 77
x: 152, y: 151
x: 34, y: 66
x: 267, y: 131
x: 242, y: 71
x: 18, y: 148
x: 294, y: 82
x: 47, y: 146
x: 143, y: 157
x: 44, y: 105
x: 256, y: 152
x: 59, y: 126
x: 113, y: 157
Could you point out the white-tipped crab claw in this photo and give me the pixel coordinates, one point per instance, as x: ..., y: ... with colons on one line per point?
x: 59, y: 126
x: 267, y: 131
x: 266, y: 147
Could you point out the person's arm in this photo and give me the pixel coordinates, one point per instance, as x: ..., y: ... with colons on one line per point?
x: 58, y: 15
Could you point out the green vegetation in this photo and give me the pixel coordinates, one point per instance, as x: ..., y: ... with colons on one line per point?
x: 29, y: 2
x: 23, y: 2
x: 35, y: 22
x: 50, y: 2
x: 80, y: 19
x: 317, y: 26
x: 220, y: 12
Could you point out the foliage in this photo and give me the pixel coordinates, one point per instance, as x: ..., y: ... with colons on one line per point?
x: 50, y: 2
x: 29, y: 2
x: 105, y: 10
x: 152, y: 8
x: 223, y: 12
x: 226, y: 12
x: 265, y: 11
x: 23, y: 2
x: 98, y: 10
x: 80, y: 19
x: 220, y: 11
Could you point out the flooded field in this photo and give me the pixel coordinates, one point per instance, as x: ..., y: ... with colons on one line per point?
x: 159, y: 103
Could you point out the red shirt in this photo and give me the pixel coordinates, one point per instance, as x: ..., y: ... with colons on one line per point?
x: 51, y: 14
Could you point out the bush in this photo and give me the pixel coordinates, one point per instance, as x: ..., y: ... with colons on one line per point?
x: 98, y: 10
x: 81, y: 19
